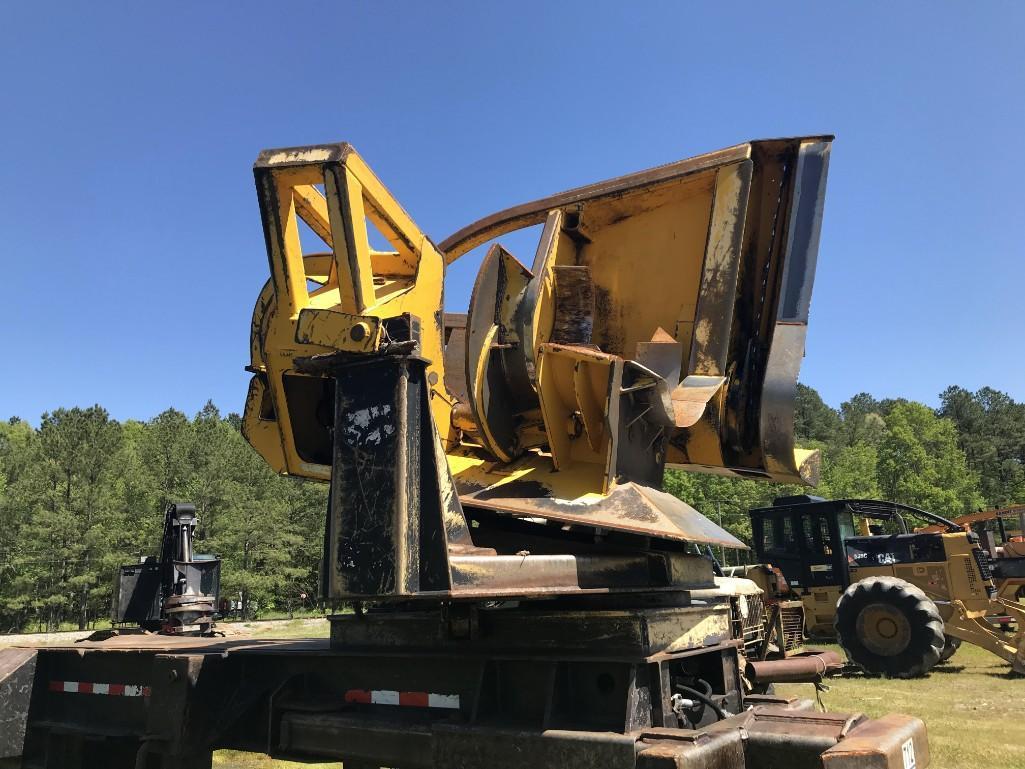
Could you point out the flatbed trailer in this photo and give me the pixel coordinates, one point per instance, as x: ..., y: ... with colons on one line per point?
x: 505, y: 687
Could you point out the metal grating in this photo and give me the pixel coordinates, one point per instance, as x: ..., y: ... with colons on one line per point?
x: 749, y: 619
x: 793, y: 626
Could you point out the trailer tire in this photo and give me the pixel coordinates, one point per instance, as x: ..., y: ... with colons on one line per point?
x: 890, y: 627
x: 950, y: 647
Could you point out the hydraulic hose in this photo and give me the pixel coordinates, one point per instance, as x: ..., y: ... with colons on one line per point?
x: 702, y: 697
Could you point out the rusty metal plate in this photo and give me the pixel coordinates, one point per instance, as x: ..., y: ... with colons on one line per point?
x: 627, y: 507
x: 17, y: 672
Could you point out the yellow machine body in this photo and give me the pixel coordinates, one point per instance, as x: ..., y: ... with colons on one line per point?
x: 660, y: 323
x: 332, y: 299
x: 1009, y: 555
x: 962, y: 591
x: 964, y: 594
x: 820, y: 609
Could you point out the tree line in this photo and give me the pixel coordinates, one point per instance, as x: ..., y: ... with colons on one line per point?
x: 966, y: 455
x: 82, y: 493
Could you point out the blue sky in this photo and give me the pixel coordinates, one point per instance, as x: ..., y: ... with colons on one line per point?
x: 130, y: 237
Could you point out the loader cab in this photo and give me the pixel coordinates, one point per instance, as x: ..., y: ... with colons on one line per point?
x: 804, y: 537
x: 816, y: 543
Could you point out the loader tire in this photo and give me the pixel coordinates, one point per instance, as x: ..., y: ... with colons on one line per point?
x: 890, y: 627
x: 950, y: 647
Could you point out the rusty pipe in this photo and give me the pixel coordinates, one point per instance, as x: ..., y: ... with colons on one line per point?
x: 809, y: 667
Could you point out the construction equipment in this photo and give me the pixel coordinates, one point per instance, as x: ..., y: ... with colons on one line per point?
x: 785, y: 621
x: 772, y: 651
x: 1007, y: 553
x: 523, y: 589
x: 176, y: 592
x: 898, y: 603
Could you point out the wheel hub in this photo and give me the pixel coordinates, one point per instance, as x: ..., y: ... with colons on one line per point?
x: 883, y: 629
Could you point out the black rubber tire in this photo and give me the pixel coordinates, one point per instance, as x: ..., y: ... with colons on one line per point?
x: 890, y: 627
x: 950, y: 647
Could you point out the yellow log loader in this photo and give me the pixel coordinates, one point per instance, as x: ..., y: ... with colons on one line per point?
x: 525, y: 592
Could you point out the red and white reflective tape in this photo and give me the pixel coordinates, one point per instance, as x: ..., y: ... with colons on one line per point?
x: 403, y: 699
x: 111, y: 690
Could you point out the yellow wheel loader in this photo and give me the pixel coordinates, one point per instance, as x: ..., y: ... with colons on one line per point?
x: 898, y: 603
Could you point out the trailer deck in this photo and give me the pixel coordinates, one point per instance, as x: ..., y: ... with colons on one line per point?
x: 500, y: 687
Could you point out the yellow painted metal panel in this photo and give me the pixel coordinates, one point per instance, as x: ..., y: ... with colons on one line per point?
x: 352, y: 250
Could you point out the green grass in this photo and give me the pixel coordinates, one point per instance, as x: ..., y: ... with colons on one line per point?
x: 973, y: 710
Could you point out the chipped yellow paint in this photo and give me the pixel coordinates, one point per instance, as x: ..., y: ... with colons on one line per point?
x: 578, y: 484
x: 313, y: 155
x: 339, y: 330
